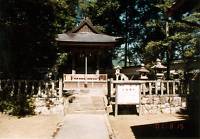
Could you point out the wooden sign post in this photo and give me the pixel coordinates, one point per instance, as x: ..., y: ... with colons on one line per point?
x: 127, y: 94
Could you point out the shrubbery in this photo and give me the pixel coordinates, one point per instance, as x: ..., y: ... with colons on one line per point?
x: 14, y: 100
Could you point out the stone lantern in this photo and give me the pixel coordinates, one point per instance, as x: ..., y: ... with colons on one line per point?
x: 159, y: 69
x: 143, y: 72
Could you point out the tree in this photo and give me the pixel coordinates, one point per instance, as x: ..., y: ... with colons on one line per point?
x: 126, y: 19
x: 29, y: 29
x: 27, y: 33
x: 179, y: 44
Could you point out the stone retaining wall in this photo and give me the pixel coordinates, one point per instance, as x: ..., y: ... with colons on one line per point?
x: 48, y: 106
x: 162, y: 104
x: 149, y: 105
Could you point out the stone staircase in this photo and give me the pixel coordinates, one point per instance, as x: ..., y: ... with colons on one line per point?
x: 86, y: 102
x: 85, y: 116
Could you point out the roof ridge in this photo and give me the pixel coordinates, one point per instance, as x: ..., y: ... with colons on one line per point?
x: 85, y: 21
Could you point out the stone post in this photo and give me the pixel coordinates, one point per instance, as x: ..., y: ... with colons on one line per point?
x: 60, y: 87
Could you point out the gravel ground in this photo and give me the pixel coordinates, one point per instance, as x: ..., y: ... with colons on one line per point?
x: 30, y: 127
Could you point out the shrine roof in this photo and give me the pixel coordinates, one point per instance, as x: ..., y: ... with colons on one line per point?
x: 85, y: 32
x: 85, y: 22
x: 85, y: 37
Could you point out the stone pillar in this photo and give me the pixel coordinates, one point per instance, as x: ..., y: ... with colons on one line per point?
x: 60, y: 87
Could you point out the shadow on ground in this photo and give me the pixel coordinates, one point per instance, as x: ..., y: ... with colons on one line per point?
x: 126, y: 110
x: 177, y: 129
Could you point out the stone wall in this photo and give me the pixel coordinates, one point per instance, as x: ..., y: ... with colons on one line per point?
x: 162, y: 104
x: 47, y: 106
x: 150, y: 104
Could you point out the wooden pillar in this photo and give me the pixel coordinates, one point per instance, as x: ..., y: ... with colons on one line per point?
x: 32, y: 88
x: 150, y: 88
x: 0, y: 86
x: 167, y: 87
x: 39, y: 89
x: 98, y: 63
x: 86, y: 68
x: 156, y: 87
x: 116, y: 102
x: 86, y: 64
x: 111, y: 87
x: 73, y: 63
x: 161, y: 87
x: 174, y: 89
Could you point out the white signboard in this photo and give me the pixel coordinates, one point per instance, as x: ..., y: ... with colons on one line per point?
x: 128, y: 94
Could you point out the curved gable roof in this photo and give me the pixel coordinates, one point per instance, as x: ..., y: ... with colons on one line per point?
x: 85, y: 32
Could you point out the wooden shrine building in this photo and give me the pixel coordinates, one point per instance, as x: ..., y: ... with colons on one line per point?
x: 89, y: 56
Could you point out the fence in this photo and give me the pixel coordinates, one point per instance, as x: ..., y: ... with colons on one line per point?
x: 152, y: 87
x: 43, y: 88
x: 150, y: 96
x: 33, y: 88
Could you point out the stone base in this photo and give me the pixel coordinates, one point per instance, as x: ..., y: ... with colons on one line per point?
x: 162, y: 104
x: 47, y: 106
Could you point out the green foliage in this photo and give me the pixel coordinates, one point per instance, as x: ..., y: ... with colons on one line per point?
x: 153, y: 48
x: 130, y: 20
x: 28, y: 29
x: 181, y: 42
x: 104, y: 13
x: 65, y: 14
x: 141, y: 24
x: 18, y: 102
x: 61, y: 60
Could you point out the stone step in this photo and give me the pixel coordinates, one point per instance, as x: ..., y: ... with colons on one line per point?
x: 86, y: 104
x: 86, y: 107
x: 91, y: 91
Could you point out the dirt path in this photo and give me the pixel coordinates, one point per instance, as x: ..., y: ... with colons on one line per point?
x: 122, y: 124
x: 84, y: 126
x: 32, y: 127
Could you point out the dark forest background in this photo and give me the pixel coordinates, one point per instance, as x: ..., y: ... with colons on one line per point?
x: 28, y: 29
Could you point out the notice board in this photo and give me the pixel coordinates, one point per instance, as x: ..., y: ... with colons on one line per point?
x: 128, y: 94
